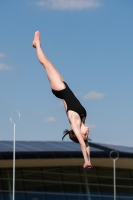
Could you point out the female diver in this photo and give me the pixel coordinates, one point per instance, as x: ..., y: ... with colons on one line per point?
x: 75, y: 111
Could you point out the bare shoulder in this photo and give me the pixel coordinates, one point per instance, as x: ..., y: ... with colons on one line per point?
x: 73, y: 117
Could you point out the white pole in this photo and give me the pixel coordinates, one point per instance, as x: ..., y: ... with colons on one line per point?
x: 114, y: 166
x: 14, y: 144
x: 114, y: 182
x: 14, y: 138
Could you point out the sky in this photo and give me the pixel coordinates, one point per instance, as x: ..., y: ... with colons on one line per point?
x: 91, y: 44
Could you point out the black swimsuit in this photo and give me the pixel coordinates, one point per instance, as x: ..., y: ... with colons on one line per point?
x: 71, y: 101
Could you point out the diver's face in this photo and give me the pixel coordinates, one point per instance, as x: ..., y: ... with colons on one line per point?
x: 84, y: 131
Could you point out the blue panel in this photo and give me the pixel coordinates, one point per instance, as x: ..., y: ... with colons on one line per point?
x: 72, y: 146
x: 47, y: 146
x: 38, y: 146
x: 4, y: 146
x: 55, y: 197
x: 96, y: 149
x: 118, y: 148
x: 31, y: 196
x: 19, y: 196
x: 1, y: 196
x: 7, y: 196
x: 26, y: 146
x: 65, y: 146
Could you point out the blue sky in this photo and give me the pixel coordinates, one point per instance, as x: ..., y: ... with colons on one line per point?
x: 91, y: 44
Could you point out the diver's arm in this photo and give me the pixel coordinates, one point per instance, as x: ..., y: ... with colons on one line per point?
x: 75, y: 125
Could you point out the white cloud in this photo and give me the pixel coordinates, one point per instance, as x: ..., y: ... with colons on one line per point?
x: 2, y: 55
x: 37, y: 113
x: 111, y: 143
x: 61, y: 103
x: 50, y: 119
x: 77, y: 94
x: 91, y: 126
x: 69, y: 4
x: 93, y: 95
x: 4, y: 67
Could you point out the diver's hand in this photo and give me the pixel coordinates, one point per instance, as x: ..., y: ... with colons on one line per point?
x: 87, y: 166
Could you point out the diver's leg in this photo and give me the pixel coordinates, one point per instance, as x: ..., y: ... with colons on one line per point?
x: 56, y: 80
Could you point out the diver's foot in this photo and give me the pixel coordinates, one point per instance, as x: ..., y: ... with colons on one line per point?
x: 36, y: 39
